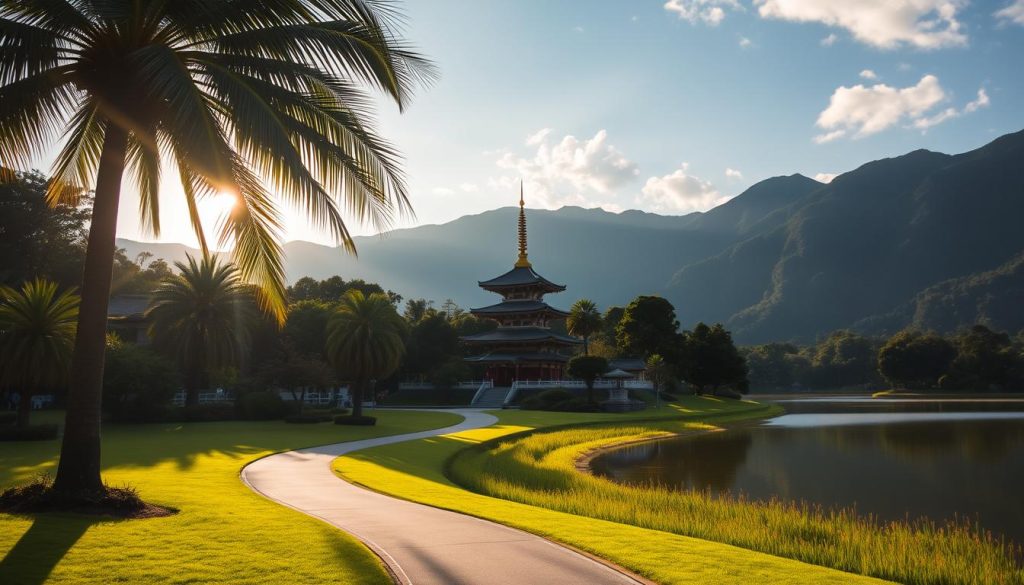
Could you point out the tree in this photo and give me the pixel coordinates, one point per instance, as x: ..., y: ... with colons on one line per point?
x: 416, y: 310
x: 296, y: 372
x: 40, y: 241
x: 138, y: 383
x: 432, y: 342
x: 712, y: 360
x: 985, y: 359
x: 587, y: 368
x: 911, y: 359
x: 248, y: 98
x: 583, y: 321
x: 306, y: 328
x: 37, y: 331
x: 774, y: 365
x: 843, y: 359
x: 365, y: 341
x: 203, y: 318
x: 648, y: 326
x: 658, y: 371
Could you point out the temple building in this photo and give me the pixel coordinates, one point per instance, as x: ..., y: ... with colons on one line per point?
x: 523, y: 346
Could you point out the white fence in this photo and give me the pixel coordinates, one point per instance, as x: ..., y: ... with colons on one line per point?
x: 220, y: 395
x: 466, y: 385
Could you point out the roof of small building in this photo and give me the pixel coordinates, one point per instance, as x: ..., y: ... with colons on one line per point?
x: 518, y: 306
x: 521, y: 276
x: 520, y: 334
x: 517, y: 357
x: 628, y: 364
x: 122, y: 306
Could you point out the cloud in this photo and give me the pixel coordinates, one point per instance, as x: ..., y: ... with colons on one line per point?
x: 862, y: 111
x: 981, y: 101
x: 679, y: 192
x: 829, y: 40
x: 886, y: 24
x: 469, y: 187
x: 745, y: 42
x: 733, y: 174
x: 578, y: 29
x: 825, y: 177
x: 868, y: 74
x: 1012, y: 13
x: 711, y: 12
x: 537, y: 137
x: 563, y: 172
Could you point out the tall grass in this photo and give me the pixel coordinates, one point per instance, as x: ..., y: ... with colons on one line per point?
x: 539, y: 469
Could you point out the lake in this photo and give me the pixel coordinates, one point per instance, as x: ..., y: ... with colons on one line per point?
x: 894, y: 459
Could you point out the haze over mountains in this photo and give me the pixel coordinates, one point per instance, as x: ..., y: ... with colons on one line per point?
x: 925, y: 239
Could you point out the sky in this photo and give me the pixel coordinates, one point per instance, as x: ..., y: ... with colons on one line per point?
x: 674, y: 107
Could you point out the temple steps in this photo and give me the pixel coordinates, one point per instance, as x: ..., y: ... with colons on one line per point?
x: 492, y: 397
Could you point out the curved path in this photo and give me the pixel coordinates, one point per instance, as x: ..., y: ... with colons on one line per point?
x: 421, y: 545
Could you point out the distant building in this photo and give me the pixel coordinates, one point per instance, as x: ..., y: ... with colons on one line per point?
x: 523, y: 347
x: 126, y: 317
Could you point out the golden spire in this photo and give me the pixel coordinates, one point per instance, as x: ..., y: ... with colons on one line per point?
x: 522, y: 262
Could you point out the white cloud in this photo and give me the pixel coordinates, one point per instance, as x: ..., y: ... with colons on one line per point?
x: 537, y: 137
x: 578, y: 29
x: 745, y: 42
x: 711, y: 12
x: 868, y: 74
x: 825, y: 177
x: 733, y: 174
x: 1012, y: 13
x: 863, y: 111
x: 569, y: 171
x: 469, y: 187
x: 860, y: 111
x: 981, y: 101
x: 679, y: 192
x: 887, y: 24
x: 829, y: 40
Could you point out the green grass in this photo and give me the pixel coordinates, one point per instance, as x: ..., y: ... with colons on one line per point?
x: 539, y: 470
x: 430, y: 397
x: 416, y: 471
x: 224, y: 532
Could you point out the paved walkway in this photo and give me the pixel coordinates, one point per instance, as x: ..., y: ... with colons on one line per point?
x: 420, y: 544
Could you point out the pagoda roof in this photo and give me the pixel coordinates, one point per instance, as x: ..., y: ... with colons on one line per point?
x: 517, y: 357
x: 518, y: 306
x: 521, y: 276
x: 520, y: 334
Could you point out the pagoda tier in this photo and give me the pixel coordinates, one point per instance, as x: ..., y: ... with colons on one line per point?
x: 523, y: 347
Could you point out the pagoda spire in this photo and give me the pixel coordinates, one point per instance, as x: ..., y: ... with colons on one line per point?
x: 522, y: 262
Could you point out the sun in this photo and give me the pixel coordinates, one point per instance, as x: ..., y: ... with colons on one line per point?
x: 223, y: 201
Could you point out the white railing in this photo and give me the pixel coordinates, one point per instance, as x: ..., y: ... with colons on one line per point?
x: 599, y: 384
x: 485, y: 385
x: 464, y: 385
x: 220, y: 395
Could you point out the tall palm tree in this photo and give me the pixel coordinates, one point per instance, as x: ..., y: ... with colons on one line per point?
x: 250, y: 98
x: 203, y: 317
x: 365, y: 341
x: 37, y: 332
x: 583, y: 321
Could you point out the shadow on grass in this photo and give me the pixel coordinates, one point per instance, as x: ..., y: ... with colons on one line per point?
x: 42, y: 546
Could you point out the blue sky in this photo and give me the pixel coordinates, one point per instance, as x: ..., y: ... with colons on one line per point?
x: 674, y: 107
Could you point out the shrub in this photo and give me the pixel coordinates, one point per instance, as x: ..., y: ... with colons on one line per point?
x: 262, y: 405
x: 362, y: 421
x: 575, y: 404
x: 138, y: 383
x: 29, y: 433
x: 307, y: 418
x: 546, y: 399
x: 8, y: 418
x: 211, y: 412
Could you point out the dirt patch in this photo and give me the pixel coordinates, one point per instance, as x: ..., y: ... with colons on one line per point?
x: 118, y: 503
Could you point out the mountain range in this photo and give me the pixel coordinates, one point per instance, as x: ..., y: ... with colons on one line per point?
x: 926, y: 239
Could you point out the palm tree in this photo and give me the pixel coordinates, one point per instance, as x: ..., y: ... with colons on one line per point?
x: 583, y: 321
x: 248, y: 98
x: 37, y: 332
x: 365, y: 341
x: 203, y: 317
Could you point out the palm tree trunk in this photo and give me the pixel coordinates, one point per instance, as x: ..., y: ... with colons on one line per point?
x: 79, y: 468
x: 357, y: 398
x: 24, y: 408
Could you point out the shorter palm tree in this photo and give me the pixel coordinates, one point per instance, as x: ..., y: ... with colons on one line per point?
x: 365, y: 341
x: 203, y: 317
x: 583, y: 321
x: 37, y: 334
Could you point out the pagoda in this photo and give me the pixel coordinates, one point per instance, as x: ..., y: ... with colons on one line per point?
x: 523, y: 346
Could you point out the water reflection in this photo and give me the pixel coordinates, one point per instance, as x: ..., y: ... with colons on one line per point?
x: 926, y: 462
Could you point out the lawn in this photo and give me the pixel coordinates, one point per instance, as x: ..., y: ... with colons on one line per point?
x: 416, y: 471
x: 224, y: 532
